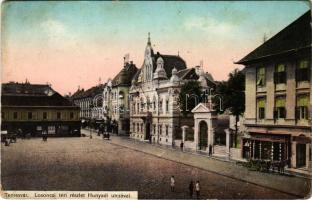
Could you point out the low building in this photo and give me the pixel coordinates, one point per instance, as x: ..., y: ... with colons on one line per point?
x: 278, y: 97
x: 32, y: 108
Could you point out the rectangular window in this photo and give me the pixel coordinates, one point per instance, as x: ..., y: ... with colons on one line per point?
x: 303, y: 71
x: 71, y: 115
x: 30, y: 115
x: 15, y: 115
x: 58, y: 115
x: 261, y: 108
x: 280, y: 110
x: 261, y: 77
x: 159, y: 129
x: 302, y: 107
x: 167, y: 130
x: 44, y: 115
x: 280, y: 74
x: 138, y: 108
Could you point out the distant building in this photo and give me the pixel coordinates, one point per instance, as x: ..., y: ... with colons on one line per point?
x: 119, y: 97
x: 90, y: 103
x: 278, y: 97
x: 34, y: 108
x: 154, y: 112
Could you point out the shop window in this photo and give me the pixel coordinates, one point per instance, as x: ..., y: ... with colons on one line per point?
x: 280, y: 110
x: 280, y: 74
x: 44, y: 115
x: 15, y: 115
x: 261, y: 77
x: 261, y: 108
x: 303, y: 71
x: 30, y: 115
x: 302, y: 107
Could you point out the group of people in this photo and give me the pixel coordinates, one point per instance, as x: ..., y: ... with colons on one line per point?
x: 191, y: 187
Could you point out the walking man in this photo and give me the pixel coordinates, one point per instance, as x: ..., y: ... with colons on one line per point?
x: 191, y: 189
x: 172, y: 183
x: 197, y: 188
x: 210, y: 150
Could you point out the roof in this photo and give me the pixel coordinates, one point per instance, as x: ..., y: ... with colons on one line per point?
x: 26, y: 94
x: 170, y: 62
x: 294, y: 37
x: 13, y: 88
x: 125, y: 76
x: 92, y: 92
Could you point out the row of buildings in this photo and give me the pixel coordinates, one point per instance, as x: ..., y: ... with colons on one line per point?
x: 143, y: 103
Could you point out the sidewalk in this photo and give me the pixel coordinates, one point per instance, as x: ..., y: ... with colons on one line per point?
x: 298, y: 186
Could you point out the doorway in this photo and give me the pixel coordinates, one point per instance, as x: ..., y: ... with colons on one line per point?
x: 203, y: 135
x: 147, y: 131
x: 301, y: 155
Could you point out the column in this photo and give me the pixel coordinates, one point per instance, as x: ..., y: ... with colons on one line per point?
x: 293, y: 154
x: 183, y: 133
x: 260, y: 150
x: 196, y: 134
x: 253, y: 149
x: 307, y: 155
x: 227, y: 132
x: 272, y: 151
x: 280, y: 151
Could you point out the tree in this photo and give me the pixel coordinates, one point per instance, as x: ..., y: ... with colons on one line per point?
x: 233, y: 95
x: 189, y: 96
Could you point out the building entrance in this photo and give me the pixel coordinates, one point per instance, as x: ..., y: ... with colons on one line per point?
x: 301, y: 155
x: 203, y: 135
x: 147, y: 131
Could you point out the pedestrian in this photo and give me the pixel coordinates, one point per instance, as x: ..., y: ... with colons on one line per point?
x: 172, y: 183
x: 197, y: 188
x: 181, y: 146
x: 191, y: 189
x: 210, y: 150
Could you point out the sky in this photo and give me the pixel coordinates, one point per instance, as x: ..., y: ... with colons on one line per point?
x: 75, y: 44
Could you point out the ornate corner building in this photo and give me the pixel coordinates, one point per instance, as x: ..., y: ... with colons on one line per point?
x: 155, y: 115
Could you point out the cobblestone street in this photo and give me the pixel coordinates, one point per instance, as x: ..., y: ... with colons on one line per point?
x: 95, y: 164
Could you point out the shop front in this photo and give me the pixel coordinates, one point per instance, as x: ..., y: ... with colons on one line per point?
x: 267, y: 147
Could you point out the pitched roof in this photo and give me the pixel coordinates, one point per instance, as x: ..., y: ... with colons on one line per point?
x: 125, y: 76
x: 13, y: 88
x: 26, y: 94
x: 93, y: 91
x: 295, y: 36
x: 170, y: 62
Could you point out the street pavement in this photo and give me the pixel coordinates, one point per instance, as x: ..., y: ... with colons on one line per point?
x: 82, y: 164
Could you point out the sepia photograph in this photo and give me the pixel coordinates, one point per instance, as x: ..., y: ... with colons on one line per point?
x: 156, y: 100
